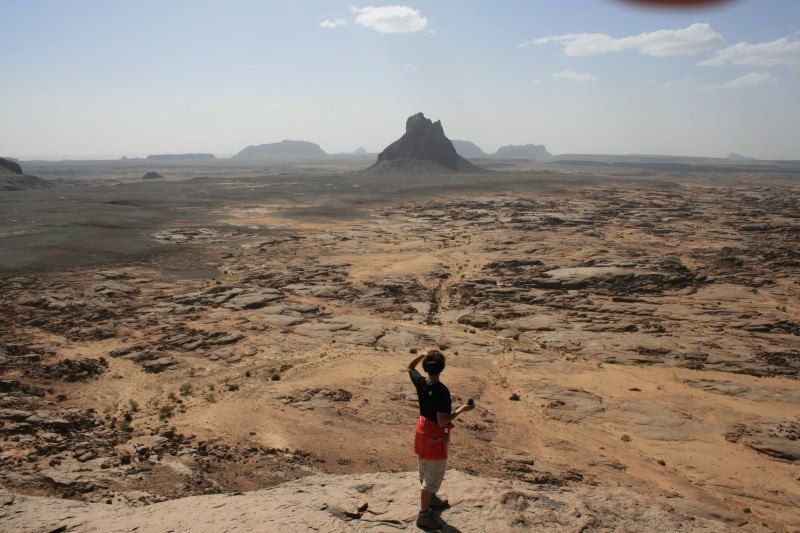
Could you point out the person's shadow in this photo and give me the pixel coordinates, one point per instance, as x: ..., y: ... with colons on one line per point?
x: 446, y: 528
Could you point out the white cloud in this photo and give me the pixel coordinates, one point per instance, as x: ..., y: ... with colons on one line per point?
x: 574, y: 76
x: 671, y: 84
x: 692, y: 40
x: 407, y: 66
x: 748, y: 80
x: 332, y: 23
x: 390, y: 19
x: 779, y: 52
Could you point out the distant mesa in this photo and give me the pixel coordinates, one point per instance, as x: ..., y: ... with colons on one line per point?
x: 423, y: 149
x: 179, y: 157
x: 739, y: 157
x: 13, y: 179
x: 469, y: 149
x: 360, y: 151
x: 152, y: 175
x: 531, y: 152
x: 283, y: 148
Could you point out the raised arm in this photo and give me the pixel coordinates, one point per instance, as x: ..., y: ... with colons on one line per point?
x: 414, y: 362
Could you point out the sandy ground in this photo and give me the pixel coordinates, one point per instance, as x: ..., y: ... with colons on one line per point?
x: 646, y: 329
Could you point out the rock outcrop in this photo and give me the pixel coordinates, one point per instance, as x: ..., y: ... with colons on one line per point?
x: 375, y: 502
x: 469, y: 149
x: 152, y: 175
x: 360, y: 151
x: 13, y: 179
x: 423, y: 149
x: 10, y: 164
x: 531, y: 152
x: 283, y: 148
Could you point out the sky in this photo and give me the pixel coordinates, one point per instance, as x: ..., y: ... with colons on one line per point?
x: 110, y: 78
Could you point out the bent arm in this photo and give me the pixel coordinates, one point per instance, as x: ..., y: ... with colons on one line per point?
x: 444, y: 418
x: 414, y: 362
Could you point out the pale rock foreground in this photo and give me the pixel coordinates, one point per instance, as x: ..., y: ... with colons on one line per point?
x: 375, y: 502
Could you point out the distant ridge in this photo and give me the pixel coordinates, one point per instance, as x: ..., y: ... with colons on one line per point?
x: 360, y: 151
x: 168, y: 157
x: 531, y: 152
x: 423, y: 149
x: 643, y: 158
x: 283, y: 148
x: 739, y: 157
x: 469, y: 149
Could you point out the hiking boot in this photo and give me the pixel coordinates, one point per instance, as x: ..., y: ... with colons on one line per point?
x: 428, y: 521
x: 438, y: 503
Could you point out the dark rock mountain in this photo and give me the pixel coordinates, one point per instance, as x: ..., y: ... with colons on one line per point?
x: 11, y: 165
x: 469, y: 149
x: 532, y: 152
x: 152, y: 175
x: 12, y: 178
x: 283, y: 148
x: 423, y: 149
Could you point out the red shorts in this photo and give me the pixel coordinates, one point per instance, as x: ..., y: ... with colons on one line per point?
x: 431, y: 440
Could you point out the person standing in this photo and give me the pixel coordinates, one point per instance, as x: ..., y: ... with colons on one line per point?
x: 432, y: 433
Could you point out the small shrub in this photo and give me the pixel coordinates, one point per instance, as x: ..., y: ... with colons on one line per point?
x: 165, y: 412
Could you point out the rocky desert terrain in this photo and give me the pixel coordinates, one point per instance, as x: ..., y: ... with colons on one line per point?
x: 631, y: 338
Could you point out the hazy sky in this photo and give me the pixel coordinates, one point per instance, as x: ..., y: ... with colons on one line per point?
x: 112, y: 78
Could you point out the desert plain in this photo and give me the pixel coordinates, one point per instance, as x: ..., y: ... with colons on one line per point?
x: 630, y: 334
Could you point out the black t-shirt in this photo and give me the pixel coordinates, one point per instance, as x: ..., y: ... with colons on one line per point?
x: 432, y: 398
